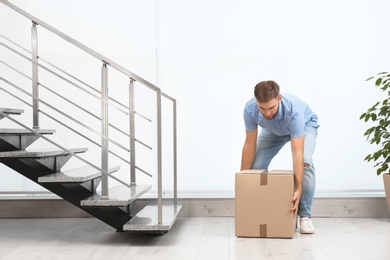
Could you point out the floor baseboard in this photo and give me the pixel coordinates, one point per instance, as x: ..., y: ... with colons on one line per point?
x: 363, y: 207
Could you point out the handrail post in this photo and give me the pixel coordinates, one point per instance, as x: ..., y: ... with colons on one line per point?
x: 174, y: 153
x: 34, y: 53
x: 132, y: 133
x: 104, y: 126
x: 159, y: 157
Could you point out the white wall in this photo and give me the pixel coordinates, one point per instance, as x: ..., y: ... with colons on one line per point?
x: 210, y: 54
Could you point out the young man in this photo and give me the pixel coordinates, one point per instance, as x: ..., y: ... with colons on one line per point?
x: 282, y: 118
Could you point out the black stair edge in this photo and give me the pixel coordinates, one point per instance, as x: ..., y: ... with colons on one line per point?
x: 76, y: 175
x: 20, y: 131
x: 14, y: 111
x: 146, y: 220
x: 119, y: 196
x: 40, y: 153
x: 115, y: 216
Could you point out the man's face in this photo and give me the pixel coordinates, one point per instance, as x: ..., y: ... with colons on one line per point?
x: 270, y: 108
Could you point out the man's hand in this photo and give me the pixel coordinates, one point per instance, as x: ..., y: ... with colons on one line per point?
x: 249, y: 149
x: 297, y: 145
x: 295, y: 200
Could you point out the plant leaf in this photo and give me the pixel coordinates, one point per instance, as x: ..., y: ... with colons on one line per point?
x: 378, y: 81
x: 373, y: 117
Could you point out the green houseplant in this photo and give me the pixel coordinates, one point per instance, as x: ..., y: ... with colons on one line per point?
x: 379, y: 133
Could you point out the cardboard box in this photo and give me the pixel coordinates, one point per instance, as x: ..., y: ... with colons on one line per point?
x: 263, y: 201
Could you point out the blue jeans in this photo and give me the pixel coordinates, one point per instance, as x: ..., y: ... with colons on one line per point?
x: 269, y: 144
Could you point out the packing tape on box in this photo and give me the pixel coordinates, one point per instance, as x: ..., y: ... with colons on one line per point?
x: 263, y: 182
x: 263, y: 230
x: 263, y: 179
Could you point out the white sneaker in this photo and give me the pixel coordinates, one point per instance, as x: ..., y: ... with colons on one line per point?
x: 306, y: 226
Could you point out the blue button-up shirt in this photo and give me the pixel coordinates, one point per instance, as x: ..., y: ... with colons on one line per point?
x: 292, y: 117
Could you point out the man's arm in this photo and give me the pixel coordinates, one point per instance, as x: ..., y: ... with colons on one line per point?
x: 249, y: 149
x: 297, y: 146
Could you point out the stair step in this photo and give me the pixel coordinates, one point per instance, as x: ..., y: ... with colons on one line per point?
x: 81, y: 174
x: 119, y: 196
x: 39, y: 153
x: 147, y: 219
x: 19, y: 139
x: 23, y: 131
x: 10, y: 111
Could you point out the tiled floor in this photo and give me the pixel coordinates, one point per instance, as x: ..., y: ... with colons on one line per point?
x: 190, y: 238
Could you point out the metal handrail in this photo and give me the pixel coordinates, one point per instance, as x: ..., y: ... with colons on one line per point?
x: 64, y: 114
x: 105, y: 100
x: 61, y: 77
x: 84, y: 110
x: 71, y: 129
x: 66, y: 126
x: 61, y: 70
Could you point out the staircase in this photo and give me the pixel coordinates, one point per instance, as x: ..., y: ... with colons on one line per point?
x: 78, y: 186
x: 87, y: 186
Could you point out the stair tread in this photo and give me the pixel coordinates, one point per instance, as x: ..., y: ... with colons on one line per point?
x: 81, y: 174
x: 119, y: 196
x: 147, y: 219
x: 25, y: 131
x: 11, y: 110
x: 38, y: 153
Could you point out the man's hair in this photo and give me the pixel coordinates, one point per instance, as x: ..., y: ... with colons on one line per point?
x: 266, y: 90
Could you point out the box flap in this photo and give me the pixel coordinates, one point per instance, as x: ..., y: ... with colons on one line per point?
x: 252, y: 171
x: 281, y: 172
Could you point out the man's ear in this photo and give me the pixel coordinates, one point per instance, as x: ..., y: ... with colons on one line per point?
x: 280, y: 97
